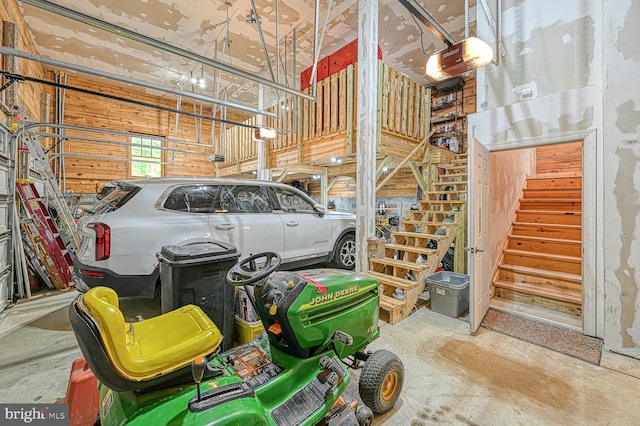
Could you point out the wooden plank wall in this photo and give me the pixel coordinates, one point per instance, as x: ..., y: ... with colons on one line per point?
x: 559, y: 160
x: 402, y: 184
x: 29, y: 94
x: 85, y: 174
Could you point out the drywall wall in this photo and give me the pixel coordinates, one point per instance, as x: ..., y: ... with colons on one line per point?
x: 590, y: 92
x: 508, y: 171
x: 621, y: 183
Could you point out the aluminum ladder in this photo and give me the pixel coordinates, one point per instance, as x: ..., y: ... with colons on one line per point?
x: 54, y: 195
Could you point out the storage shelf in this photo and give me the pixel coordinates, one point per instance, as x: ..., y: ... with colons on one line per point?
x: 443, y: 119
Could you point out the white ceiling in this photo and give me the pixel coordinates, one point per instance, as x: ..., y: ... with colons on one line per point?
x: 202, y: 27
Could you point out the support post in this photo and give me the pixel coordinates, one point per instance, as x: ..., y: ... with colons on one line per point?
x: 324, y: 187
x: 367, y: 79
x: 10, y: 39
x: 263, y: 172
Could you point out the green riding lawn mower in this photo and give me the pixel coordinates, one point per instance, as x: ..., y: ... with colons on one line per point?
x: 169, y: 369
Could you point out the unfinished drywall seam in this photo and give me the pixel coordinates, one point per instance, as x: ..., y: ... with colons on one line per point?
x: 628, y: 205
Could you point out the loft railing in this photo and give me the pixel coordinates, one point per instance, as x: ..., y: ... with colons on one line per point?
x: 304, y: 127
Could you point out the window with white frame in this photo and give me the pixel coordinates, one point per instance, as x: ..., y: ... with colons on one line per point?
x: 146, y: 157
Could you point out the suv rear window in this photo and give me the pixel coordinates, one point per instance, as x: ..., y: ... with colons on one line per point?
x: 116, y: 198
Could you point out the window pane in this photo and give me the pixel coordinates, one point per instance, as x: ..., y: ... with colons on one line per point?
x: 148, y: 149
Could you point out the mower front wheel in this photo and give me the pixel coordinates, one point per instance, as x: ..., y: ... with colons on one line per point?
x: 381, y: 381
x: 364, y: 416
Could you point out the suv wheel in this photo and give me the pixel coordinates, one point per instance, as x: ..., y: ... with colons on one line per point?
x: 345, y: 254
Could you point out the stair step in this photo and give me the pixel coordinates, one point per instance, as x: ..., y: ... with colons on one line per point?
x: 550, y: 204
x: 452, y: 167
x: 564, y: 296
x: 554, y: 182
x: 419, y: 250
x: 428, y: 223
x: 419, y: 235
x: 396, y: 264
x: 389, y: 303
x: 570, y: 264
x: 392, y: 281
x: 543, y: 273
x: 435, y: 212
x: 445, y: 192
x: 392, y: 310
x: 550, y: 217
x: 548, y: 245
x: 459, y: 182
x: 452, y: 175
x: 557, y: 193
x: 539, y: 277
x: 565, y: 232
x: 442, y: 202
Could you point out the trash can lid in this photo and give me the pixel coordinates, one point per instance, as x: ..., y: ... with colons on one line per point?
x: 198, y: 250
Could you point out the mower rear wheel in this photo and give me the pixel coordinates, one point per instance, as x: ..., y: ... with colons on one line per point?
x: 381, y: 381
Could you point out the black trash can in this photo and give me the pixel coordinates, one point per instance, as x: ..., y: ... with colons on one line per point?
x: 195, y: 273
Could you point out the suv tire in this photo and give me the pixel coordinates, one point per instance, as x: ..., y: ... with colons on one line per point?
x: 344, y: 256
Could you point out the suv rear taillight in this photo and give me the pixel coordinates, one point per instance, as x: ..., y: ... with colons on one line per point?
x: 103, y: 239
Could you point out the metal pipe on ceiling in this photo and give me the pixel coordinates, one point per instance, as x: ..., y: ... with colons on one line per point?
x: 140, y: 38
x: 85, y: 129
x: 429, y: 21
x: 316, y: 52
x: 499, y: 48
x: 131, y: 101
x: 91, y: 71
x: 277, y: 41
x: 466, y: 19
x: 264, y: 44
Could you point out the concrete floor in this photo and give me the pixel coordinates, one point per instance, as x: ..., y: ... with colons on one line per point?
x: 452, y: 378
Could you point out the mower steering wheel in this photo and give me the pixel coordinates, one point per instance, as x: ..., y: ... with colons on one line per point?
x: 245, y: 272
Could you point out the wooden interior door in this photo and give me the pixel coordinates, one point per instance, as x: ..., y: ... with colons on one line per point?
x: 479, y: 266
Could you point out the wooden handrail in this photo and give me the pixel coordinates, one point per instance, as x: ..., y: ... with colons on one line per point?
x: 394, y: 171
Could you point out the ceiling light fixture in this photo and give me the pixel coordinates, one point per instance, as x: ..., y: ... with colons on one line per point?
x: 262, y: 134
x: 463, y: 56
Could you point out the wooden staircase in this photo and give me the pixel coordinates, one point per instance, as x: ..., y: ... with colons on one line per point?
x: 541, y: 264
x: 416, y: 250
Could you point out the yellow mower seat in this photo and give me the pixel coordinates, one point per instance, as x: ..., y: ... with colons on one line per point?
x: 152, y: 347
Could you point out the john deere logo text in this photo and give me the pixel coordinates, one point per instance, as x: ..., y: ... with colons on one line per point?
x: 331, y: 296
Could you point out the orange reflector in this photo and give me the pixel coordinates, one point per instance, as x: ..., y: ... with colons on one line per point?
x: 275, y: 328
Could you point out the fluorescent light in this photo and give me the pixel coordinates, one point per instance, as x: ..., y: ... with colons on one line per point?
x: 463, y: 56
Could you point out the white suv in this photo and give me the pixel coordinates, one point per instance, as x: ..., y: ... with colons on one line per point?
x: 124, y: 231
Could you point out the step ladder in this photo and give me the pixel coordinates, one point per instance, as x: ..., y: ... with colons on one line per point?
x: 43, y: 233
x: 54, y: 196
